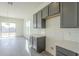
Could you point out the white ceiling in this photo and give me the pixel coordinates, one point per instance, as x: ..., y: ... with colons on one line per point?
x: 18, y: 9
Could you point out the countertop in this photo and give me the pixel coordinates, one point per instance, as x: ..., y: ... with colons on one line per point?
x: 37, y: 35
x: 70, y: 45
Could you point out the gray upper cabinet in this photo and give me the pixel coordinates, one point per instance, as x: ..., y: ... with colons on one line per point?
x: 44, y: 12
x: 54, y: 8
x: 39, y: 19
x: 34, y: 21
x: 40, y: 22
x: 69, y: 15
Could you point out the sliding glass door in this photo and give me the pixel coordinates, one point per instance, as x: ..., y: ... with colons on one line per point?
x: 7, y: 29
x: 12, y: 29
x: 0, y: 30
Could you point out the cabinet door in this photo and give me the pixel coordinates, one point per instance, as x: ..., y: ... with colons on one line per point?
x: 41, y: 44
x: 39, y: 19
x: 34, y: 43
x: 54, y: 8
x: 78, y: 13
x: 45, y: 12
x: 30, y: 41
x: 68, y: 15
x: 34, y: 21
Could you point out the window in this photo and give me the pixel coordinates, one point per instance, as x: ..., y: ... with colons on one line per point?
x: 8, y: 29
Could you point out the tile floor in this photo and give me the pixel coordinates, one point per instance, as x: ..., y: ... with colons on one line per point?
x: 17, y: 46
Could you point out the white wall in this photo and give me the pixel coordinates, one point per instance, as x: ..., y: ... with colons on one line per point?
x: 26, y: 28
x: 19, y: 24
x: 64, y: 37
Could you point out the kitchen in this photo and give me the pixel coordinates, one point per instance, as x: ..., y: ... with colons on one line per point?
x: 58, y: 23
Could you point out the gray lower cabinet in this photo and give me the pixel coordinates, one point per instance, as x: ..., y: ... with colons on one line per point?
x: 38, y: 43
x: 60, y: 51
x: 69, y: 15
x: 54, y: 8
x: 34, y: 21
x: 41, y: 23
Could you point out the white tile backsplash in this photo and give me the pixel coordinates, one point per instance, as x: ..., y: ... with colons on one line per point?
x: 38, y: 31
x: 63, y: 36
